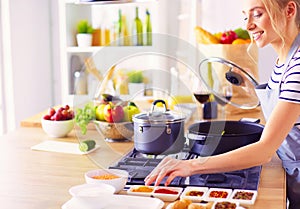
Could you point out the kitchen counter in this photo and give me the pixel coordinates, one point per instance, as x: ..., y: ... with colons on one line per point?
x: 39, y: 179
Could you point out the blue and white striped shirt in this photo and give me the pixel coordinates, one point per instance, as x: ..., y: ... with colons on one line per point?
x: 290, y: 81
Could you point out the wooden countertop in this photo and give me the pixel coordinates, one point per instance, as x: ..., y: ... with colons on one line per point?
x: 39, y: 179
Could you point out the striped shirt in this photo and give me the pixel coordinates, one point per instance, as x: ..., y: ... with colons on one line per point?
x: 290, y: 80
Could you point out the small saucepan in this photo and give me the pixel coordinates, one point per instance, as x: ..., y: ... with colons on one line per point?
x: 159, y: 132
x: 216, y: 137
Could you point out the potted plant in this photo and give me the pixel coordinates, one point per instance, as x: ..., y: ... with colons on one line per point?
x: 84, y: 33
x: 135, y: 82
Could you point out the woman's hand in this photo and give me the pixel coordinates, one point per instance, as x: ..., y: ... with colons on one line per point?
x: 169, y: 167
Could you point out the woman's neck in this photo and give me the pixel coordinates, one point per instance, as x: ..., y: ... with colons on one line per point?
x: 283, y: 48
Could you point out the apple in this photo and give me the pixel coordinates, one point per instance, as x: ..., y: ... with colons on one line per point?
x: 130, y: 110
x: 100, y: 112
x: 113, y: 113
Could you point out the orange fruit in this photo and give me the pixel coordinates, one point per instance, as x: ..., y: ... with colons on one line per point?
x: 241, y: 41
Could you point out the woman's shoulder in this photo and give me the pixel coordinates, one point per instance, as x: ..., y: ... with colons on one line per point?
x: 290, y: 88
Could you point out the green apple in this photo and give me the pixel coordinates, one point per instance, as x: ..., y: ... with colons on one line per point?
x: 100, y: 112
x: 129, y: 111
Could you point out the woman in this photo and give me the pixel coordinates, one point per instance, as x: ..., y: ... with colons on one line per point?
x: 274, y: 22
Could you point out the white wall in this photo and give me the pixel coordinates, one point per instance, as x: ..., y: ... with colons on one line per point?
x: 31, y: 57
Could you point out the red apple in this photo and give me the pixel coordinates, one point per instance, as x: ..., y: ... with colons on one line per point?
x: 113, y: 113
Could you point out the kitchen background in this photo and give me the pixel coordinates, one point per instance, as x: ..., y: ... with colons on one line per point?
x: 31, y: 47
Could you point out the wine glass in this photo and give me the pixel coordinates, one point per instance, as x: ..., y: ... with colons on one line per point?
x: 200, y: 92
x: 224, y: 96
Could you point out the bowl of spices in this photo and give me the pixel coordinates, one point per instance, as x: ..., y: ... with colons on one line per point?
x: 215, y: 194
x: 114, y: 177
x: 225, y: 205
x: 247, y: 197
x: 167, y: 194
x: 196, y: 194
x: 141, y: 190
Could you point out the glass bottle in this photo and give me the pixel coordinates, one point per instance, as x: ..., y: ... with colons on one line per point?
x: 148, y: 29
x: 137, y: 29
x: 125, y: 32
x: 120, y: 29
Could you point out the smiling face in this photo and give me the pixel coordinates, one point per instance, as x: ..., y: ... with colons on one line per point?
x: 258, y: 23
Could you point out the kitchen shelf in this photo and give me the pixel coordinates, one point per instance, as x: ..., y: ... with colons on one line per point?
x: 94, y: 49
x: 75, y: 49
x: 110, y: 2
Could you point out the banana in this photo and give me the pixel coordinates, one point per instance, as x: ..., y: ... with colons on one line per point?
x: 205, y: 37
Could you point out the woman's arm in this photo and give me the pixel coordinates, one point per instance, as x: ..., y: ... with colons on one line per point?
x: 283, y: 117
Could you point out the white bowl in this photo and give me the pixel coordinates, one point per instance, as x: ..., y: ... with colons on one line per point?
x: 92, y: 196
x: 91, y: 190
x: 57, y: 128
x: 118, y: 183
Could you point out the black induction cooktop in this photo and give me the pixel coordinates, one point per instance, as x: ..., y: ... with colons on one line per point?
x: 139, y: 166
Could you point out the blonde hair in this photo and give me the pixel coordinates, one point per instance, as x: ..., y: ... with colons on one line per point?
x: 274, y: 9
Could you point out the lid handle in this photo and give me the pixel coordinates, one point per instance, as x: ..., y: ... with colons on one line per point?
x: 234, y: 78
x: 156, y: 102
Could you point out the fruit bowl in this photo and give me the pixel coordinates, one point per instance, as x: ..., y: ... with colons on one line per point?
x: 112, y: 132
x: 57, y: 129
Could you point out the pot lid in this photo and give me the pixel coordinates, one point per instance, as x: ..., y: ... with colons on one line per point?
x: 229, y: 83
x: 158, y: 116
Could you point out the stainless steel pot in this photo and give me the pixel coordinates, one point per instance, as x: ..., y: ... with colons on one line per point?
x: 215, y: 137
x: 159, y: 132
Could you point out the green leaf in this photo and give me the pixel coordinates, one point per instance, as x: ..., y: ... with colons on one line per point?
x: 83, y: 26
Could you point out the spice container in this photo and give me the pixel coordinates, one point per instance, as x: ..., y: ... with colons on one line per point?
x: 247, y: 197
x: 195, y: 194
x: 167, y: 194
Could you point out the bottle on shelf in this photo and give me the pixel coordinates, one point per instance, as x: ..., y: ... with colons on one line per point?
x: 125, y: 32
x: 119, y: 29
x: 148, y: 29
x: 137, y: 33
x: 96, y: 39
x: 105, y: 36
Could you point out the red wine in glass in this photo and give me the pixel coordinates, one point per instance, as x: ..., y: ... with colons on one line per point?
x: 201, y: 97
x: 221, y: 102
x: 226, y: 93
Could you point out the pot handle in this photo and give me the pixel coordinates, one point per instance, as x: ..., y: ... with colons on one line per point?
x: 196, y: 137
x: 156, y: 102
x: 252, y: 120
x: 168, y: 129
